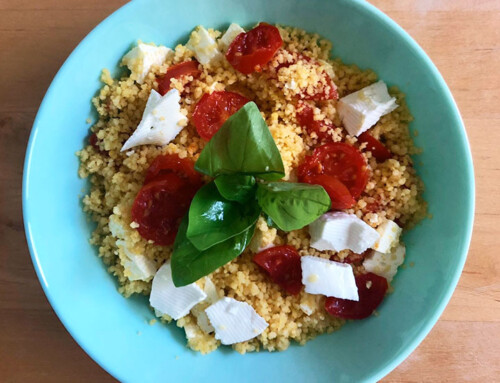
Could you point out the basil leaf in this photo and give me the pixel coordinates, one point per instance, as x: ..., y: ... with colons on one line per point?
x: 190, y: 264
x: 270, y: 222
x: 237, y: 188
x: 243, y: 145
x: 292, y: 206
x: 214, y: 219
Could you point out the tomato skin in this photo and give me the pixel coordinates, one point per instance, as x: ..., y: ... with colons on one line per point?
x: 339, y: 194
x: 305, y: 117
x: 379, y: 151
x: 341, y: 161
x: 172, y: 163
x: 186, y: 68
x: 282, y: 264
x: 369, y: 298
x: 214, y: 109
x: 159, y: 207
x: 250, y: 51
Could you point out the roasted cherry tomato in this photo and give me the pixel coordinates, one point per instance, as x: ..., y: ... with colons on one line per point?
x: 187, y: 68
x: 250, y: 51
x: 371, y: 290
x: 379, y: 151
x: 159, y: 207
x: 282, y: 264
x: 214, y: 109
x: 305, y: 117
x: 172, y: 163
x: 339, y: 194
x: 341, y: 161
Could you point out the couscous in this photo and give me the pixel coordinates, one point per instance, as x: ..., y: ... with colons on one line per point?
x: 252, y: 186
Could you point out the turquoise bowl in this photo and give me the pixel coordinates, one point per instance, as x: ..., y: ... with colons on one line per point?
x: 114, y: 330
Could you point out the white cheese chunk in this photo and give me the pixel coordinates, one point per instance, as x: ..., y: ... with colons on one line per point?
x: 143, y: 57
x: 161, y: 121
x: 228, y: 37
x: 235, y: 321
x: 361, y: 110
x: 385, y: 265
x: 204, y: 46
x: 389, y: 236
x: 137, y: 267
x: 173, y: 301
x: 340, y: 231
x: 199, y: 310
x: 329, y: 278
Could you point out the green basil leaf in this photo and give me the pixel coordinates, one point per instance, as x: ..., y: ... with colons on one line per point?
x: 190, y: 264
x: 243, y: 145
x: 292, y: 206
x: 270, y: 222
x: 214, y: 219
x: 237, y: 188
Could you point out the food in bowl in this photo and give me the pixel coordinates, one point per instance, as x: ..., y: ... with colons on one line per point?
x: 254, y: 188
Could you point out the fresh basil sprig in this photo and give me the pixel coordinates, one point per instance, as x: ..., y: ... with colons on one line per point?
x: 236, y: 187
x: 190, y: 264
x: 214, y: 219
x: 243, y: 145
x: 291, y: 206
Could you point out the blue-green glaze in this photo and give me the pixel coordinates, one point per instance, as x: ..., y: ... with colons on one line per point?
x: 107, y: 325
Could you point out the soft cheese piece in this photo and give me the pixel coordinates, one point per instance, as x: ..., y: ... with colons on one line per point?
x: 385, y: 265
x: 389, y: 236
x: 161, y: 122
x: 173, y: 301
x: 329, y: 278
x: 199, y: 310
x: 340, y: 231
x: 228, y: 37
x: 136, y: 266
x: 235, y: 321
x: 361, y: 110
x: 143, y: 57
x: 204, y: 46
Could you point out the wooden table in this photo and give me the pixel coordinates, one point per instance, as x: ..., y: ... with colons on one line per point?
x: 463, y: 39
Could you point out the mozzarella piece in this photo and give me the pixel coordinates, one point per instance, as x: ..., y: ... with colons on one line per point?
x: 389, y: 236
x: 203, y: 46
x: 137, y: 267
x: 173, y: 301
x: 235, y: 321
x: 161, y: 121
x: 143, y: 57
x: 329, y: 278
x: 199, y: 310
x: 340, y: 231
x: 228, y: 37
x: 385, y: 265
x: 361, y: 110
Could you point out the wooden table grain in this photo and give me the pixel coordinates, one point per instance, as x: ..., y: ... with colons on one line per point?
x: 462, y: 37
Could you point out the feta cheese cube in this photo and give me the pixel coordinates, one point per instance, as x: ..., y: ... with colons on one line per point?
x: 143, y: 57
x: 228, y: 37
x: 199, y: 310
x: 203, y: 46
x: 361, y: 110
x: 340, y: 231
x: 389, y: 236
x: 161, y: 121
x: 235, y: 321
x: 173, y: 301
x: 385, y: 265
x: 329, y: 278
x: 137, y: 267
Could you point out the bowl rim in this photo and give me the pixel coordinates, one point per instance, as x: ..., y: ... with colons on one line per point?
x: 361, y: 5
